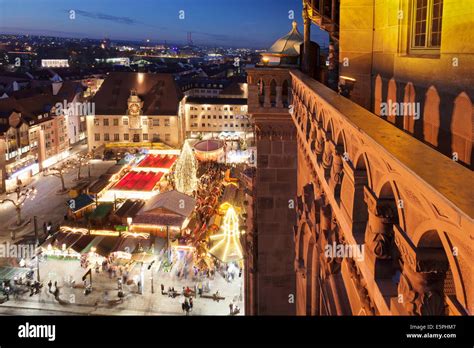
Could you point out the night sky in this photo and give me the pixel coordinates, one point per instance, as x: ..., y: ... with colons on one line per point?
x: 238, y: 23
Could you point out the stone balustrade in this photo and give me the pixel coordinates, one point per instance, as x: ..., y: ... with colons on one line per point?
x: 409, y: 206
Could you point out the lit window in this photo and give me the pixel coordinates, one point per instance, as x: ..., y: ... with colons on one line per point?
x: 426, y: 25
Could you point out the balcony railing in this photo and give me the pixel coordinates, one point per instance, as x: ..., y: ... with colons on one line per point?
x: 391, y: 192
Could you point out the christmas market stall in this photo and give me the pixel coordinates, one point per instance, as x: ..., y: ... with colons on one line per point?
x: 165, y: 215
x: 79, y: 206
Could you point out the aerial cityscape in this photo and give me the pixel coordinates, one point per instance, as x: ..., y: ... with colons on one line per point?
x: 237, y: 158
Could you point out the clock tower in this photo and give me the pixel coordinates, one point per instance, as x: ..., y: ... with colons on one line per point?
x: 135, y: 105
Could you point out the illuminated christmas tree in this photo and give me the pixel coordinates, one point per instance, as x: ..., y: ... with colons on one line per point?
x: 228, y: 248
x: 185, y: 171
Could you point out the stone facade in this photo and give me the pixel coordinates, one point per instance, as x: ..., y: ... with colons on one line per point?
x: 272, y: 281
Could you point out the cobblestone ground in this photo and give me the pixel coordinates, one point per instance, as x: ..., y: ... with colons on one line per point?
x: 73, y: 300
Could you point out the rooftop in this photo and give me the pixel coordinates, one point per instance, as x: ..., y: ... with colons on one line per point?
x: 159, y: 93
x: 288, y: 45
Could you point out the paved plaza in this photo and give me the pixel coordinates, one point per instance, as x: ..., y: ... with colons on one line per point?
x: 104, y: 300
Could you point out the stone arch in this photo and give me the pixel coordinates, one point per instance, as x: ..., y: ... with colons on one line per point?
x: 329, y: 127
x: 378, y: 94
x: 431, y: 120
x: 447, y: 283
x: 462, y: 128
x: 391, y: 100
x: 388, y: 189
x: 424, y: 236
x: 362, y: 163
x: 387, y: 268
x: 261, y: 91
x: 340, y: 141
x: 285, y: 92
x: 357, y: 205
x: 408, y: 113
x: 273, y: 92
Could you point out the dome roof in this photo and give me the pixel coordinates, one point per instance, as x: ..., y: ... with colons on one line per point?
x: 288, y: 45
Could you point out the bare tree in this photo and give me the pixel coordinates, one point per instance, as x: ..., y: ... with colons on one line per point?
x: 59, y: 172
x: 81, y: 161
x: 19, y: 196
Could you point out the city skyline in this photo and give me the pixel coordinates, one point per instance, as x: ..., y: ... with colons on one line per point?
x: 157, y: 21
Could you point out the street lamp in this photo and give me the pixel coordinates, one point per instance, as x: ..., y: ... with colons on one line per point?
x: 346, y: 85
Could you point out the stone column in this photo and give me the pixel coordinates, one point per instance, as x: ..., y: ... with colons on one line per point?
x: 267, y: 98
x: 3, y: 174
x: 421, y: 286
x: 335, y: 180
x: 319, y: 144
x: 328, y: 155
x: 379, y: 234
x: 352, y: 198
x: 307, y: 37
x: 279, y: 100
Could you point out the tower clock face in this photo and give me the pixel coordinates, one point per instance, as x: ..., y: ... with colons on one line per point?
x: 134, y: 108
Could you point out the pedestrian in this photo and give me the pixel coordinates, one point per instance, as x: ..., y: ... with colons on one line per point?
x: 50, y: 285
x: 162, y: 289
x: 45, y: 231
x: 191, y: 303
x: 231, y: 307
x: 55, y: 284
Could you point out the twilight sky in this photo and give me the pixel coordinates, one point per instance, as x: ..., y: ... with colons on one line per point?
x: 239, y: 23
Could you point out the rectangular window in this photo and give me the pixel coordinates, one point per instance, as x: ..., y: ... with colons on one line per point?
x: 156, y: 138
x: 126, y: 137
x: 96, y: 121
x: 106, y: 137
x: 97, y: 137
x: 116, y: 122
x: 167, y: 137
x: 106, y: 121
x: 125, y: 121
x: 145, y: 136
x: 116, y: 137
x: 156, y: 122
x: 167, y: 122
x: 426, y: 24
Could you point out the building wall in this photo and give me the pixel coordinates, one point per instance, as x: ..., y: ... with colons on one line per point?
x: 375, y: 49
x: 216, y: 118
x: 156, y: 128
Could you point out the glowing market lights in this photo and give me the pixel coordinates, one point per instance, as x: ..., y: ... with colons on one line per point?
x: 228, y: 248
